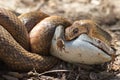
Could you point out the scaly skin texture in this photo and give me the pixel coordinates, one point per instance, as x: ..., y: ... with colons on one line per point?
x: 30, y: 19
x: 14, y: 38
x: 89, y: 27
x: 41, y: 35
x: 13, y: 34
x: 15, y: 27
x: 18, y: 59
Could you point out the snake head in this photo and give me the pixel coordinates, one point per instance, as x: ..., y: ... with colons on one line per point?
x: 75, y: 30
x: 83, y: 49
x: 88, y: 27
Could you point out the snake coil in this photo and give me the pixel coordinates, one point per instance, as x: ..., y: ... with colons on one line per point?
x: 15, y: 41
x: 25, y: 41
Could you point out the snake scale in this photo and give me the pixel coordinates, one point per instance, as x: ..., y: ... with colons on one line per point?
x: 25, y: 41
x: 15, y: 41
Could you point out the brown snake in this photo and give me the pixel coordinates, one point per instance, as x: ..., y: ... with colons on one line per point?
x: 14, y: 41
x: 27, y: 46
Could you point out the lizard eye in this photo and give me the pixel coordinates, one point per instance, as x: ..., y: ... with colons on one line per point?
x: 75, y: 30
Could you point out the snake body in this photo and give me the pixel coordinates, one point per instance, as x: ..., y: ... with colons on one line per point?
x: 24, y: 49
x: 14, y: 26
x: 30, y: 19
x: 41, y: 43
x: 18, y: 59
x: 14, y: 42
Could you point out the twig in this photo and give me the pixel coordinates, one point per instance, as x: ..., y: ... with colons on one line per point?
x: 53, y: 71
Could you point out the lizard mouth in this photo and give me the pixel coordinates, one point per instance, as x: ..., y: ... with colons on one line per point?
x: 102, y: 46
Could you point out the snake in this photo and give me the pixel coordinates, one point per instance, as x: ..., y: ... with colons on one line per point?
x: 15, y: 50
x: 25, y: 41
x: 86, y: 48
x: 90, y: 28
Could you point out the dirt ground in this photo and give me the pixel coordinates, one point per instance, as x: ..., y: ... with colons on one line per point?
x: 105, y: 12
